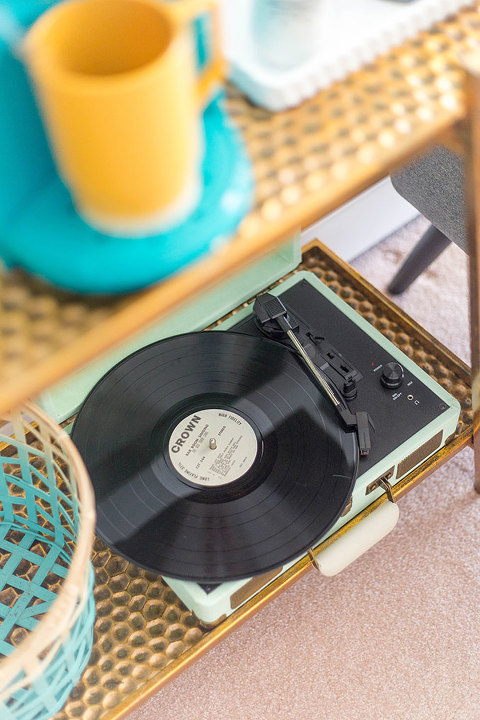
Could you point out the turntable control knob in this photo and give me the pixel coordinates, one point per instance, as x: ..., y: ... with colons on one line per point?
x: 392, y: 375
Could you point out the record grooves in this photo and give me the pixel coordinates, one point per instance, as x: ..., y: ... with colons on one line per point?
x: 214, y: 457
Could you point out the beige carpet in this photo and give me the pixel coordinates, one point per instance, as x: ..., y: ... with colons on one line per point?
x: 396, y: 635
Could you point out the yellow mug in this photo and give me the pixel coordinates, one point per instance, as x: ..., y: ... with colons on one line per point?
x: 121, y: 99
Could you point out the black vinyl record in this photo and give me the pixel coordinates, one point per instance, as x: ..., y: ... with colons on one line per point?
x: 214, y: 457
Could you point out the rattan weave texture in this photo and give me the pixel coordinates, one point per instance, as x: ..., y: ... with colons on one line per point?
x: 46, y: 580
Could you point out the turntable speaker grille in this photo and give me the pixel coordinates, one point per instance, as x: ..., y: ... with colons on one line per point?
x: 420, y: 454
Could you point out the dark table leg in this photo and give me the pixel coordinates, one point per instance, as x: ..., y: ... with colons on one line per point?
x: 429, y: 247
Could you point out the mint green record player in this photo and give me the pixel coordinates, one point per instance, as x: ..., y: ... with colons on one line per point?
x: 413, y: 415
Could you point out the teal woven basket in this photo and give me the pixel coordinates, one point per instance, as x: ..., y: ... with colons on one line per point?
x: 47, y: 609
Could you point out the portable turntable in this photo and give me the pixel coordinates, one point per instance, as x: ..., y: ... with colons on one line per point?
x: 220, y: 458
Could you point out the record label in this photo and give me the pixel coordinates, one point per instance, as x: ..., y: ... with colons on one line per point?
x: 213, y: 447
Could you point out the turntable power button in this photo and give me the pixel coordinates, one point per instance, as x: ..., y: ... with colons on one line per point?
x: 392, y: 375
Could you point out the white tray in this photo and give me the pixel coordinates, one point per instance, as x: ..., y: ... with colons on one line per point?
x: 353, y: 33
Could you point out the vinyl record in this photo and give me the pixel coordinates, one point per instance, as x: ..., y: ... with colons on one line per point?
x: 213, y: 457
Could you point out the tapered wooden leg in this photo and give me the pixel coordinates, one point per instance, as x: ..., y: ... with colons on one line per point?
x: 472, y: 176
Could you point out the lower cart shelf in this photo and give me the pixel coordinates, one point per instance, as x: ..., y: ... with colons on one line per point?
x: 144, y: 635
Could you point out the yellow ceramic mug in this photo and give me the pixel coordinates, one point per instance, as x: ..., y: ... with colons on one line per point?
x: 121, y: 100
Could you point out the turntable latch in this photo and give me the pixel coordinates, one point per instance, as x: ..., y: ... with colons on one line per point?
x: 314, y: 560
x: 384, y: 483
x: 388, y: 489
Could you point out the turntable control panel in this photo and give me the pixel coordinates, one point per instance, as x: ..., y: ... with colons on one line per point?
x: 370, y: 377
x: 392, y: 375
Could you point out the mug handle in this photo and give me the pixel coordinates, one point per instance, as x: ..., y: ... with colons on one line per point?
x: 213, y: 73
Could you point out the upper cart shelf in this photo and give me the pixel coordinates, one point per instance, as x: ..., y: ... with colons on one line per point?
x: 307, y: 161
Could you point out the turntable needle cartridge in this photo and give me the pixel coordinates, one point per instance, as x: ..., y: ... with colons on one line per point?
x: 272, y: 318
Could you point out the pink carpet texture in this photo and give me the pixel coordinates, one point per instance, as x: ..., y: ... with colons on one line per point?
x: 396, y: 636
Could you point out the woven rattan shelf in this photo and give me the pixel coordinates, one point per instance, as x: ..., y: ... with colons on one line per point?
x: 143, y: 633
x: 307, y: 161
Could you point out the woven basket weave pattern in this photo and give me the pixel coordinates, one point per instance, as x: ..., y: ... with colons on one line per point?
x: 46, y: 581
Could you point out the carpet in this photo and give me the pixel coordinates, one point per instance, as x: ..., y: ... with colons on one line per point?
x: 396, y: 635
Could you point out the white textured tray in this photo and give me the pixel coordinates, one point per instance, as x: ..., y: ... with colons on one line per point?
x: 353, y: 33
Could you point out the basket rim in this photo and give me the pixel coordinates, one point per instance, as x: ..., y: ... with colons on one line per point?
x: 57, y: 619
